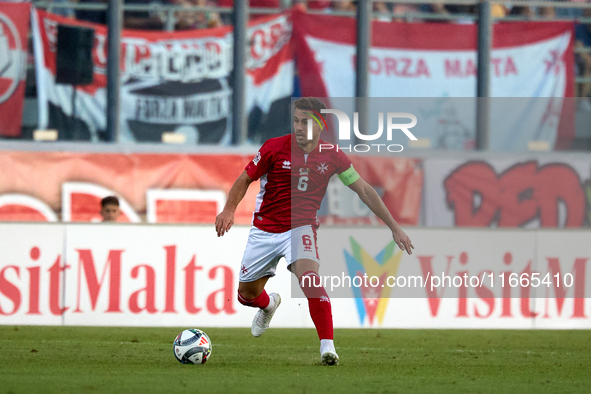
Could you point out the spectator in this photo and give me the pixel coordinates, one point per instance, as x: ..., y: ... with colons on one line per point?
x: 67, y: 12
x: 548, y: 12
x: 385, y: 15
x: 147, y: 20
x: 525, y: 11
x: 398, y: 8
x: 440, y: 8
x: 110, y: 209
x: 92, y: 15
x: 569, y: 12
x: 499, y: 10
x: 253, y: 4
x: 197, y: 20
x: 338, y: 5
x: 318, y: 5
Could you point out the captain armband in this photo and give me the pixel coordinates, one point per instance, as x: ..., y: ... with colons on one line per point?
x: 349, y: 176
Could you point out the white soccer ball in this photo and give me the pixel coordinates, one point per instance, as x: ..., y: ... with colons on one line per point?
x: 192, y: 346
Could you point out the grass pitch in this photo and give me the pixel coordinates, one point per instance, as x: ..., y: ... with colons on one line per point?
x: 140, y: 360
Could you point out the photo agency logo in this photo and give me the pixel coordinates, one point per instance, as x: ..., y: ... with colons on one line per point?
x: 344, y: 134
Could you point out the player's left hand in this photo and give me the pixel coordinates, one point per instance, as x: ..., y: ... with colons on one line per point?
x: 402, y: 240
x: 223, y: 222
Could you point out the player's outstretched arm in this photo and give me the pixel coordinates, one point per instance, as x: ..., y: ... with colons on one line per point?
x: 225, y: 219
x: 372, y: 199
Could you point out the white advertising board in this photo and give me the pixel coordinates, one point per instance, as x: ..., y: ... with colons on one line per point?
x: 160, y: 275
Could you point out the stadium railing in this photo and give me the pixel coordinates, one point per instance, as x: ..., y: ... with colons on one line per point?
x: 574, y: 11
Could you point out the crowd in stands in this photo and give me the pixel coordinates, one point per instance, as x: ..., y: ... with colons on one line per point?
x: 385, y: 10
x: 191, y: 19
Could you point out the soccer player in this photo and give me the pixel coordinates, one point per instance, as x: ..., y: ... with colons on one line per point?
x: 294, y: 175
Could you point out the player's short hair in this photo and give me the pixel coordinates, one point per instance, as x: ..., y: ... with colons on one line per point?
x: 309, y: 103
x: 109, y: 200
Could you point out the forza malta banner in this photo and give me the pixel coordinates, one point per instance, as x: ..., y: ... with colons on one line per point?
x: 500, y: 191
x: 437, y: 61
x: 14, y: 29
x: 170, y: 82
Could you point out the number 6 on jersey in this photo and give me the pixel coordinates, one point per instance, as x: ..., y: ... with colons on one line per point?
x: 302, y: 183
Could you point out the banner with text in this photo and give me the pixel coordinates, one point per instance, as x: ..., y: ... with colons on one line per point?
x: 436, y: 62
x: 121, y: 275
x: 170, y: 82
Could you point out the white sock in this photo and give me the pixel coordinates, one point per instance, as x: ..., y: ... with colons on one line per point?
x: 326, y: 344
x: 271, y: 305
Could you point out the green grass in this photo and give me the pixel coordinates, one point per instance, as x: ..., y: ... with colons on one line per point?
x: 140, y: 360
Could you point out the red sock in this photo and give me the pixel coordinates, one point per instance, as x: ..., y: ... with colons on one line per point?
x: 319, y: 304
x: 262, y: 301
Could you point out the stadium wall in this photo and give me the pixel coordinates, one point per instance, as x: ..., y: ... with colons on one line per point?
x: 433, y: 189
x: 164, y: 275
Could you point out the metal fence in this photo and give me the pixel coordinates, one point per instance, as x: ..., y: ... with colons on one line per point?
x: 471, y: 10
x: 168, y: 12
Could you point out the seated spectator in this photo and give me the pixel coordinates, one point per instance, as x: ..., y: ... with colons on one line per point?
x: 385, y: 14
x: 548, y: 12
x: 253, y: 4
x: 499, y: 10
x: 67, y: 12
x: 525, y: 11
x: 93, y: 16
x: 569, y: 12
x: 110, y: 209
x: 440, y: 8
x: 186, y: 20
x: 318, y: 5
x: 398, y: 8
x: 343, y: 6
x: 145, y: 20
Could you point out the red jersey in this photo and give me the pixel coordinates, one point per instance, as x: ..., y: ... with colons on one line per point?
x: 293, y: 183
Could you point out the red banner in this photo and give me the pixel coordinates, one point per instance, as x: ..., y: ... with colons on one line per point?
x: 14, y: 28
x: 173, y: 188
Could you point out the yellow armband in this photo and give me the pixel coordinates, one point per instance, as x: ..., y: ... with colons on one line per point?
x: 349, y: 176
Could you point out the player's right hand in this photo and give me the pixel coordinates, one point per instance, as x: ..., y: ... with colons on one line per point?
x: 223, y: 222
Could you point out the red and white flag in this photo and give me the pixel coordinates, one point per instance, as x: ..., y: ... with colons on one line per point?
x: 531, y: 63
x: 172, y: 81
x: 14, y: 27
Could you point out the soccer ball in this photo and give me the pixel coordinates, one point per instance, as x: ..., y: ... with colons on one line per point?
x: 192, y: 346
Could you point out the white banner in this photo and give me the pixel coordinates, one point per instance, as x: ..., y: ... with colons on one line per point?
x: 531, y: 63
x: 157, y: 275
x: 31, y: 274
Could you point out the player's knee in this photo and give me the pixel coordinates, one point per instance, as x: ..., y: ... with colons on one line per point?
x: 245, y: 297
x: 311, y: 285
x: 309, y: 280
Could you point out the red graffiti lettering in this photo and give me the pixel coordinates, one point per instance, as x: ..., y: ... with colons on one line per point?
x: 524, y: 192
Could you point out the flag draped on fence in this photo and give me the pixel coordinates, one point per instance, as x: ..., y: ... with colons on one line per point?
x: 172, y: 82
